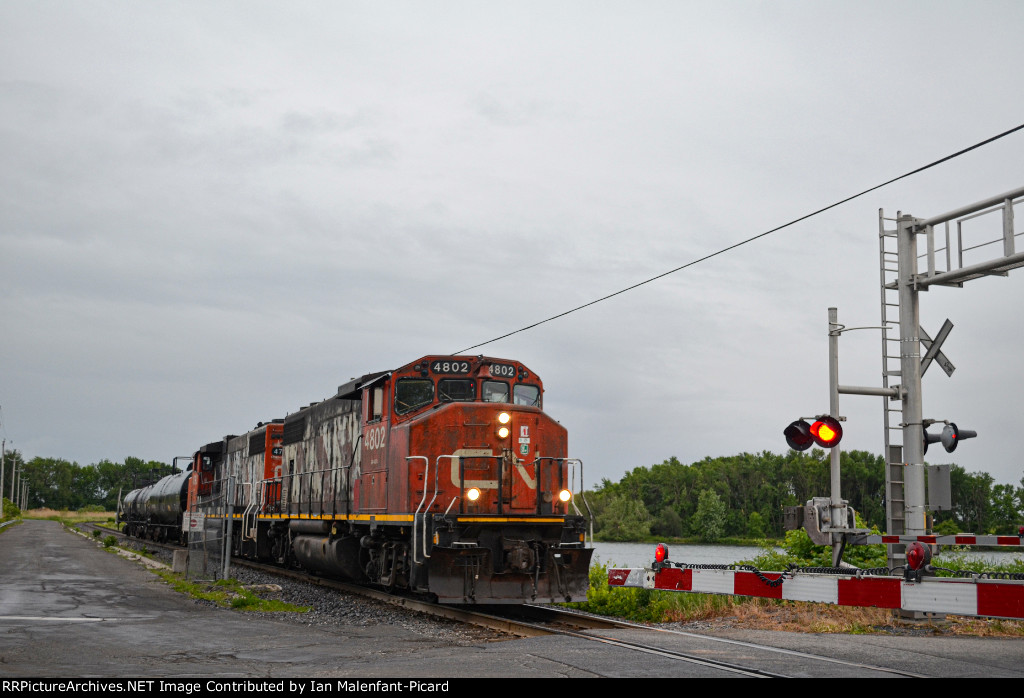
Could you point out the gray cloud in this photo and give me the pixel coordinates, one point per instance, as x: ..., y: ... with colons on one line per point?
x: 215, y: 213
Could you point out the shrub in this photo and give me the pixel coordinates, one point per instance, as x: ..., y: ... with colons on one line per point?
x: 11, y: 511
x: 629, y: 603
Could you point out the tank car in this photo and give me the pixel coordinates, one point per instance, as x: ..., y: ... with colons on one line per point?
x: 444, y: 476
x: 155, y: 512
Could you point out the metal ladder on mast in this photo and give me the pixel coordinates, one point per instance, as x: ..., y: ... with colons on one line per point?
x: 892, y: 408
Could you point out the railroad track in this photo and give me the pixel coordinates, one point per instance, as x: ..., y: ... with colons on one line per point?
x: 536, y: 620
x: 574, y: 624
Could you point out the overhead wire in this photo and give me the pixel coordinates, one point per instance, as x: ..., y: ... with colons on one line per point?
x: 751, y: 239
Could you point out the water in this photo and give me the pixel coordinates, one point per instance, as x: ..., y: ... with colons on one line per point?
x: 991, y: 556
x: 642, y: 554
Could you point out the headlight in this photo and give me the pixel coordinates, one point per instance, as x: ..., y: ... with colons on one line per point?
x: 503, y: 432
x: 565, y: 495
x: 504, y: 418
x: 473, y: 494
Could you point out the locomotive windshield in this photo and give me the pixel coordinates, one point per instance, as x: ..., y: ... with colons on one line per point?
x: 412, y: 393
x: 495, y: 391
x: 527, y: 395
x: 452, y: 389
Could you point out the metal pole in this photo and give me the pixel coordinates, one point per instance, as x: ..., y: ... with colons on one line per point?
x: 230, y: 510
x: 862, y: 390
x: 971, y: 208
x: 910, y: 370
x: 3, y: 459
x: 838, y: 516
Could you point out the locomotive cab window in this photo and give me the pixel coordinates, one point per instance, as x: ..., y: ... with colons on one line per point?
x: 495, y: 391
x: 527, y: 395
x: 413, y: 393
x: 456, y: 389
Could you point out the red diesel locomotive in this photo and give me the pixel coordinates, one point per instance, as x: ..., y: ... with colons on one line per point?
x: 444, y: 477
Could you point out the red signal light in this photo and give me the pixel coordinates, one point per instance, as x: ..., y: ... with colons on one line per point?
x: 918, y: 555
x: 827, y: 432
x: 798, y: 435
x: 660, y: 552
x: 952, y: 435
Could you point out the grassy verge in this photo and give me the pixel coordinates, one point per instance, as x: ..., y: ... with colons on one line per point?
x: 228, y: 593
x: 649, y: 605
x: 69, y: 517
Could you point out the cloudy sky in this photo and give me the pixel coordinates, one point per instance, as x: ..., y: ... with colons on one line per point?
x: 213, y: 213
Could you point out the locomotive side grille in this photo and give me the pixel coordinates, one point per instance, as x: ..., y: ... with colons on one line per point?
x: 258, y: 443
x: 294, y: 430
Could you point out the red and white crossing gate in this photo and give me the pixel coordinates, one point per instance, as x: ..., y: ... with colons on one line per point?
x: 958, y: 596
x: 955, y: 539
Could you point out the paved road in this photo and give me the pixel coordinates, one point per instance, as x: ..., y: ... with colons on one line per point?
x: 70, y: 609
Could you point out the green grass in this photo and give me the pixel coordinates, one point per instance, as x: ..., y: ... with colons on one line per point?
x: 648, y: 605
x: 228, y: 593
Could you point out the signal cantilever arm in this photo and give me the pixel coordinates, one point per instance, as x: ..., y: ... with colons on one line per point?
x: 861, y: 390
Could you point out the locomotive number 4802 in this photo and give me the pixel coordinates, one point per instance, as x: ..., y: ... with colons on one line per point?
x: 503, y: 370
x: 450, y: 367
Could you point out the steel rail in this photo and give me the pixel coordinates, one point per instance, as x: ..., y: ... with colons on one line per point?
x: 741, y: 643
x: 795, y: 653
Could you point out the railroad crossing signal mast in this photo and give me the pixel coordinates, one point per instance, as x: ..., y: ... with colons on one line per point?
x: 950, y: 241
x: 905, y: 358
x: 904, y: 273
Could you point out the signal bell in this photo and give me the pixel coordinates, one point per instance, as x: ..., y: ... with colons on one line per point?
x: 826, y: 432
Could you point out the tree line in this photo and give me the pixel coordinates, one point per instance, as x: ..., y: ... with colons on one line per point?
x: 744, y: 496
x: 59, y: 484
x: 741, y: 496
